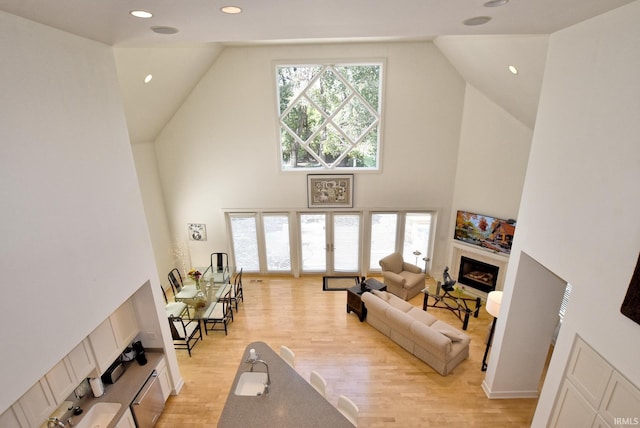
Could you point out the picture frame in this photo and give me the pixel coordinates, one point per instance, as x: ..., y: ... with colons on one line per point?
x: 330, y: 190
x: 631, y: 304
x: 197, y: 231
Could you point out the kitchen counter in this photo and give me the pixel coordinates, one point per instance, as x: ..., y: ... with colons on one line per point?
x: 290, y: 402
x: 125, y: 389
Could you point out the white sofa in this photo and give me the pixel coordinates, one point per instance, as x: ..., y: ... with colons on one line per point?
x: 435, y: 342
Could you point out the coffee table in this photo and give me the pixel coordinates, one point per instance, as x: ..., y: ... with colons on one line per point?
x: 354, y: 296
x: 458, y: 305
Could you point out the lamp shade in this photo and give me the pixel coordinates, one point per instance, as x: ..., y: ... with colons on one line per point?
x: 494, y: 300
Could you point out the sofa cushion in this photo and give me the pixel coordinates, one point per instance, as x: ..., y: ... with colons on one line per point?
x: 399, y: 304
x: 428, y: 338
x: 412, y: 279
x: 422, y: 316
x: 398, y: 320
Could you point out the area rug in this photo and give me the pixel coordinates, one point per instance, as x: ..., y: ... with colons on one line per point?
x: 338, y: 283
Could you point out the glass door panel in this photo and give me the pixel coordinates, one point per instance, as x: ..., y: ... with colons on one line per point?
x: 313, y: 242
x: 383, y: 237
x: 245, y: 242
x: 346, y: 247
x: 417, y: 230
x: 276, y: 239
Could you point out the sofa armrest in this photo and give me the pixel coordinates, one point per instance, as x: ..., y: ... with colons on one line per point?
x: 393, y: 279
x: 411, y: 267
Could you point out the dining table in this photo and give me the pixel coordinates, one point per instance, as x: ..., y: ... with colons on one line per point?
x: 214, y: 286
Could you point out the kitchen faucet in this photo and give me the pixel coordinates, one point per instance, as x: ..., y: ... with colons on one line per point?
x: 54, y: 422
x: 254, y: 362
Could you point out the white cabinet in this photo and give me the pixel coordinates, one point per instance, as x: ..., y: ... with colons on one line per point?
x: 105, y: 346
x: 126, y: 421
x: 115, y: 333
x: 61, y: 380
x: 124, y: 324
x: 81, y: 359
x: 163, y: 378
x: 37, y: 403
x: 594, y: 394
x: 9, y: 419
x: 70, y: 371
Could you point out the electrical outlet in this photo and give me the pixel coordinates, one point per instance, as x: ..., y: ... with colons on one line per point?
x: 152, y: 335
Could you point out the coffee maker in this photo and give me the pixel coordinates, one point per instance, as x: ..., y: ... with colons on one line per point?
x: 139, y: 350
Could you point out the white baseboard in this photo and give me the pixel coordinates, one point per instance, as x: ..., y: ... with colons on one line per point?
x: 507, y: 394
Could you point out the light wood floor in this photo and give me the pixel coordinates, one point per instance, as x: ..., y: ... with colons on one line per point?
x: 390, y: 386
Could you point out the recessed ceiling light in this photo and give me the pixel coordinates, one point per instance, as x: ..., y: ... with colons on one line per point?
x: 141, y: 13
x: 496, y: 3
x: 232, y: 10
x: 164, y: 30
x: 148, y: 78
x: 513, y: 69
x: 478, y: 20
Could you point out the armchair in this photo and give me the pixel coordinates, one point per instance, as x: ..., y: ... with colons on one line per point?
x: 403, y: 279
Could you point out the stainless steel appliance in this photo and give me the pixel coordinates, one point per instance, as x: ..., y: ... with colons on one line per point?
x: 149, y: 403
x: 113, y: 373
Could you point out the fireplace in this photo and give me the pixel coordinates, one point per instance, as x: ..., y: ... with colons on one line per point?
x: 476, y: 274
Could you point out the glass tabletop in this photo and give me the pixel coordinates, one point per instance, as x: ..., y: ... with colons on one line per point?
x: 213, y: 287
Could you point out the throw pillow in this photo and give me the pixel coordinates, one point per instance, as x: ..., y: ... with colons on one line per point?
x: 451, y: 335
x: 381, y: 294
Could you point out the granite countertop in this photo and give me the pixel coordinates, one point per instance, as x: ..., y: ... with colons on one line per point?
x: 290, y: 402
x: 125, y: 389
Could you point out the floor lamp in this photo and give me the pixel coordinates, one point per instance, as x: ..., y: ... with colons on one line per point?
x: 494, y: 300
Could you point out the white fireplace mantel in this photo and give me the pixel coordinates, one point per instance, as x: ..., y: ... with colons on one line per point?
x: 459, y: 249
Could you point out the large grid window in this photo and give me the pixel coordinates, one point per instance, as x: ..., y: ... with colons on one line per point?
x: 329, y: 115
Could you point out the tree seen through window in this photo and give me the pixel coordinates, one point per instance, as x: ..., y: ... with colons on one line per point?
x: 329, y: 115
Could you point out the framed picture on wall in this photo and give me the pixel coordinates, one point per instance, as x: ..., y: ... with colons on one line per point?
x: 330, y: 190
x: 631, y: 304
x: 197, y: 231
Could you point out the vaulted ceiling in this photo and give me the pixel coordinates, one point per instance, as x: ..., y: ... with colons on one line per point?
x: 516, y: 35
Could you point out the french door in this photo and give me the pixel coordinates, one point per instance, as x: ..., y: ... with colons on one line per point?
x: 330, y: 242
x: 327, y: 242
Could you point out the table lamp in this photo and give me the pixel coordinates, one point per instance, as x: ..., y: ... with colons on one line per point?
x: 494, y: 300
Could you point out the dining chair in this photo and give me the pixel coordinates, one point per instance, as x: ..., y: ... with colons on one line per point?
x: 288, y: 356
x: 318, y: 382
x: 181, y: 291
x: 175, y: 309
x: 236, y: 290
x: 220, y: 315
x: 185, y: 334
x: 219, y: 262
x: 348, y: 409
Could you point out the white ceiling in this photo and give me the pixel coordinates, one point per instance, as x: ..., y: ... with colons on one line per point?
x: 480, y: 53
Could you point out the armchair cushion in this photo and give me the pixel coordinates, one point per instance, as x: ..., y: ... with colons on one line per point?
x: 403, y: 279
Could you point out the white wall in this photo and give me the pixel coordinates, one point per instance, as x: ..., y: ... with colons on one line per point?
x: 492, y: 161
x: 75, y: 243
x: 220, y: 149
x: 581, y: 199
x: 155, y: 209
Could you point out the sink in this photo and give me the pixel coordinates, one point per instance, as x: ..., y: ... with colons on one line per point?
x: 251, y: 383
x: 99, y: 415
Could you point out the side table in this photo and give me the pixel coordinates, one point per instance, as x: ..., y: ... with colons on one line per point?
x: 354, y: 296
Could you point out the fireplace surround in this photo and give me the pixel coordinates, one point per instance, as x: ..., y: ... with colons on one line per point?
x: 499, y: 261
x: 479, y: 275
